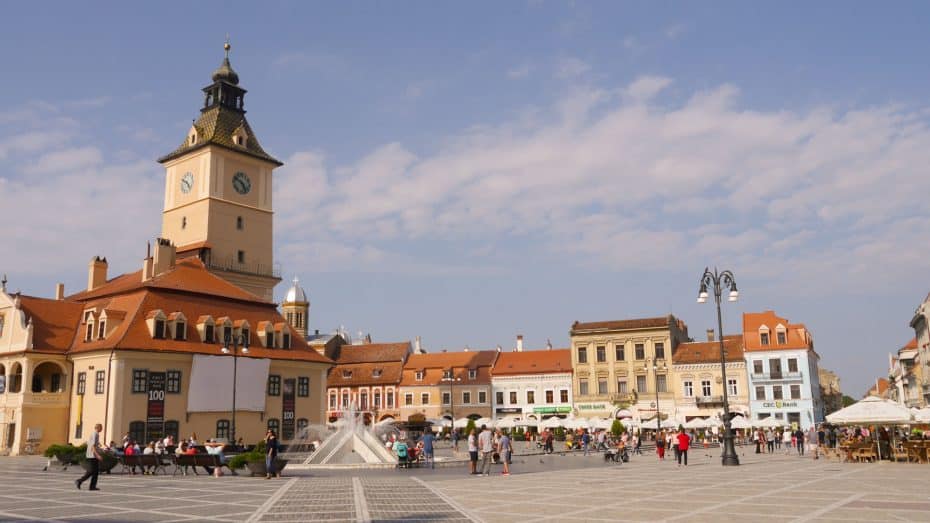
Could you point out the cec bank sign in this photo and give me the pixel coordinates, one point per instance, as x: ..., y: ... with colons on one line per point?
x: 779, y: 404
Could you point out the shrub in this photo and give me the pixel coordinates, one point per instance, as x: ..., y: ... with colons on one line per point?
x: 66, y: 453
x: 616, y: 428
x: 559, y: 434
x: 470, y: 427
x: 256, y: 454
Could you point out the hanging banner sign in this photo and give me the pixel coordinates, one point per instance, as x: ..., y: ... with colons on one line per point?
x: 288, y: 405
x: 155, y: 413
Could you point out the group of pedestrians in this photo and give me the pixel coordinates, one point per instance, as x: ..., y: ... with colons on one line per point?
x: 680, y: 442
x: 487, y: 444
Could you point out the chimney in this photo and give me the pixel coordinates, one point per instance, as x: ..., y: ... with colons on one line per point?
x: 316, y: 332
x: 96, y: 272
x: 417, y: 347
x: 60, y: 291
x: 519, y: 343
x: 147, y: 263
x: 710, y: 334
x: 548, y: 344
x: 164, y: 258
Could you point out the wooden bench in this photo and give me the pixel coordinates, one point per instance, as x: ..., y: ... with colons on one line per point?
x: 209, y: 461
x: 144, y: 461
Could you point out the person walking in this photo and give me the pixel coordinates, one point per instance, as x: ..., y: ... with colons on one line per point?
x: 684, y: 440
x: 271, y: 454
x: 799, y: 438
x: 427, y: 441
x: 486, y: 444
x: 473, y: 451
x: 93, y: 455
x: 455, y: 440
x: 637, y: 443
x: 506, y: 452
x: 550, y: 437
x: 660, y: 446
x: 770, y: 440
x: 585, y: 441
x: 786, y: 440
x: 673, y: 443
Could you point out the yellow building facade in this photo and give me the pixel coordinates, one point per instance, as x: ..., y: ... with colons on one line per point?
x: 623, y: 364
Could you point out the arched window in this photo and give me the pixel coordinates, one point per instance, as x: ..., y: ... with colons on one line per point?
x: 16, y: 378
x: 222, y: 429
x: 137, y: 431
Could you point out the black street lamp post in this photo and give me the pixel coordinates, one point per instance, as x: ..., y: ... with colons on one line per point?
x: 655, y: 373
x: 235, y: 343
x: 451, y: 379
x: 718, y: 281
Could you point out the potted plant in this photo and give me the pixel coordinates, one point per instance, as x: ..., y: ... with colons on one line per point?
x: 254, y: 460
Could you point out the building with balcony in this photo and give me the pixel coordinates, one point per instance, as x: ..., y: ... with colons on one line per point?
x: 905, y: 375
x: 532, y: 385
x: 366, y: 379
x: 621, y: 364
x: 698, y: 381
x: 447, y: 385
x: 782, y: 367
x: 920, y: 322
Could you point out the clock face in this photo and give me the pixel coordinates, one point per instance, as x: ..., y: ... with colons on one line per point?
x: 241, y: 183
x: 187, y: 183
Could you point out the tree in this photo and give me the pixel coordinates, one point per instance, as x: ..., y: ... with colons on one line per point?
x: 848, y: 400
x: 469, y: 427
x: 616, y: 428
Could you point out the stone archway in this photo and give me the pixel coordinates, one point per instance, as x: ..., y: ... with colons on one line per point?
x: 16, y: 377
x: 48, y: 377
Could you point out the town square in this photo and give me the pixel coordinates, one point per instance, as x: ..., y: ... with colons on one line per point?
x: 494, y: 261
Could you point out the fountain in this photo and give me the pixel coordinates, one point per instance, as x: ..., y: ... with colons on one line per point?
x: 351, y: 444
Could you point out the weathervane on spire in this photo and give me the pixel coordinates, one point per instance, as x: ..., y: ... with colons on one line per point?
x: 226, y: 46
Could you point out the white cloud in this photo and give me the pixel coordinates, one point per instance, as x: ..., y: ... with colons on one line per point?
x: 611, y: 178
x: 571, y: 67
x: 673, y: 31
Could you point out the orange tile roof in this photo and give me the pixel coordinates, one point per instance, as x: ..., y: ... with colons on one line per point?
x: 188, y: 288
x: 53, y: 322
x: 911, y: 344
x: 362, y: 374
x: 188, y: 275
x: 435, y: 365
x: 532, y: 362
x: 637, y: 323
x: 373, y: 353
x: 709, y: 351
x: 797, y: 335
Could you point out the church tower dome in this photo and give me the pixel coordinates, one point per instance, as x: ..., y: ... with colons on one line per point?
x: 296, y: 307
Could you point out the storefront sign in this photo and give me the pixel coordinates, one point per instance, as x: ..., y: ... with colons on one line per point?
x: 551, y: 410
x: 592, y: 406
x: 509, y: 410
x: 288, y: 406
x: 155, y: 413
x: 779, y: 404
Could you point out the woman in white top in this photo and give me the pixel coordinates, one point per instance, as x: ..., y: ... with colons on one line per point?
x: 786, y: 440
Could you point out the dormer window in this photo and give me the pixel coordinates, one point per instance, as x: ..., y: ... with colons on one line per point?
x: 225, y: 327
x: 472, y: 374
x: 158, y: 324
x: 269, y: 340
x: 419, y: 375
x: 180, y: 331
x: 89, y: 331
x: 177, y: 326
x: 159, y: 332
x: 376, y: 373
x: 245, y: 335
x: 781, y: 335
x: 447, y: 374
x: 102, y: 331
x: 286, y: 340
x: 206, y: 328
x: 764, y: 338
x: 346, y: 374
x: 193, y: 138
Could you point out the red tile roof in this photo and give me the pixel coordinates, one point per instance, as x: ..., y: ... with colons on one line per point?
x: 435, y: 364
x: 638, y: 323
x: 533, y: 362
x: 797, y: 335
x: 911, y: 344
x: 191, y: 289
x: 363, y: 374
x: 373, y: 352
x: 188, y: 274
x: 709, y: 351
x: 53, y: 322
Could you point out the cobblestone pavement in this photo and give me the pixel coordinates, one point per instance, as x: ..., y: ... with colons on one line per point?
x: 543, y: 488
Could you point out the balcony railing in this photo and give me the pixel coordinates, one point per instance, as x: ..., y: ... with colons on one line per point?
x: 772, y: 376
x: 232, y: 265
x: 709, y: 400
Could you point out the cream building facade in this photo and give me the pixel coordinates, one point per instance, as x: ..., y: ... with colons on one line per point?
x: 623, y: 364
x: 449, y: 385
x: 698, y: 379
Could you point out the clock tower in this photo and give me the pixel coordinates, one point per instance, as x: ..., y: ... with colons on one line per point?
x: 218, y: 191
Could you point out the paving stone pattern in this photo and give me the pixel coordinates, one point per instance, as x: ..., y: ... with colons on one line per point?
x: 767, y: 488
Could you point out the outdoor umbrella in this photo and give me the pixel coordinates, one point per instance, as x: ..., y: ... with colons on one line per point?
x: 484, y: 421
x: 505, y: 423
x: 553, y: 422
x: 769, y: 423
x: 461, y: 423
x: 696, y: 423
x: 872, y: 411
x: 740, y: 422
x: 922, y: 415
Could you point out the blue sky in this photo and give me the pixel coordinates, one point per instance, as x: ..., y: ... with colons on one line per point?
x: 468, y: 173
